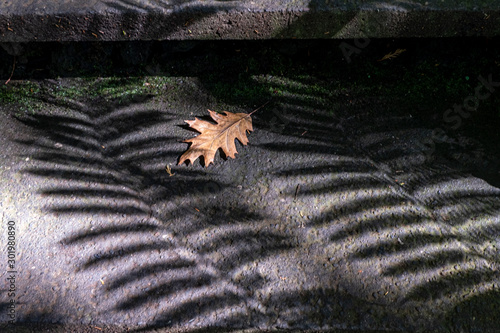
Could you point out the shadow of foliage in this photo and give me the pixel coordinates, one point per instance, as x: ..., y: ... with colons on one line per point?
x: 423, y: 228
x: 103, y: 159
x: 394, y: 221
x: 181, y: 14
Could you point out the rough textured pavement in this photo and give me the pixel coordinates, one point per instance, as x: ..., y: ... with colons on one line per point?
x: 24, y: 21
x: 343, y: 212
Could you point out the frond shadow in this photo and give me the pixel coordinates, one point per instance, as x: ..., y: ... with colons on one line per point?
x: 427, y: 224
x: 103, y: 160
x: 181, y: 14
x: 371, y: 185
x: 357, y: 196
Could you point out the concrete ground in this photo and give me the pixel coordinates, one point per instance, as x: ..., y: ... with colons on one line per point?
x: 360, y: 203
x: 24, y: 21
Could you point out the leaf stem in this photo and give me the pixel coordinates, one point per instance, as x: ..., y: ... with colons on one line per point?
x: 260, y: 107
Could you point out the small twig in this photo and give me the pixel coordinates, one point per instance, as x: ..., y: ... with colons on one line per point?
x: 13, y: 68
x: 169, y: 171
x: 296, y: 191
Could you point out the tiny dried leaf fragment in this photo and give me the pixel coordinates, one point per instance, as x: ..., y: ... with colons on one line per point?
x: 392, y: 55
x: 228, y: 127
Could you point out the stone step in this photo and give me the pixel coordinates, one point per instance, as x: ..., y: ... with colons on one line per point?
x: 124, y: 20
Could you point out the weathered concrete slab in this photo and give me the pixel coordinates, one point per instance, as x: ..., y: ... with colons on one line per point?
x: 345, y: 210
x: 118, y: 20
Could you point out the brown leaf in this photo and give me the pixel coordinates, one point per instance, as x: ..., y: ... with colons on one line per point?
x: 392, y: 55
x: 214, y: 136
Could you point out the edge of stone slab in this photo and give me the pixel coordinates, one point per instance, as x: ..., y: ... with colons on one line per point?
x: 63, y: 328
x: 64, y: 7
x: 123, y: 20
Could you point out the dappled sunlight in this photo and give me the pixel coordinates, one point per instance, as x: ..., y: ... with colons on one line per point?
x: 398, y: 222
x: 338, y: 214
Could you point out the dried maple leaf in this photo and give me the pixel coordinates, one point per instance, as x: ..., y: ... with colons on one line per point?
x: 214, y: 136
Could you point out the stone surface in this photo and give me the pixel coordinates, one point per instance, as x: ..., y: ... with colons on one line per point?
x: 119, y: 20
x: 345, y: 211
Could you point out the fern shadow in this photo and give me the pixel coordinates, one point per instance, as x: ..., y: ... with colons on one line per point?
x: 347, y: 188
x: 165, y: 246
x: 400, y: 220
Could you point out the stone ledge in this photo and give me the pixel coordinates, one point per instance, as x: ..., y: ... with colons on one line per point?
x: 123, y: 20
